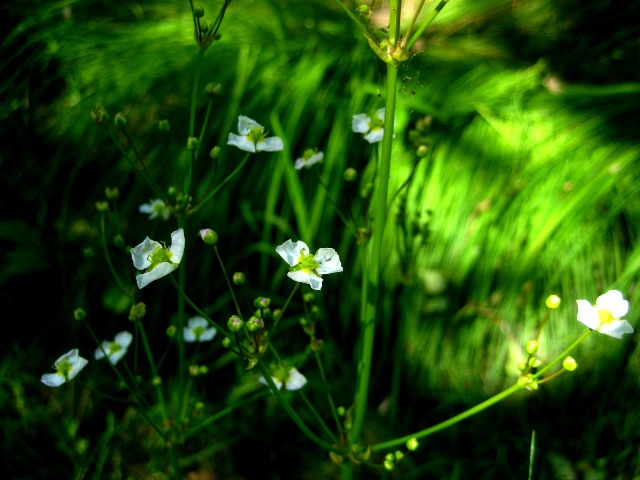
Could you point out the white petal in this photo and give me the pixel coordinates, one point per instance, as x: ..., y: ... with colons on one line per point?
x: 360, y: 123
x: 329, y: 261
x: 380, y: 114
x: 98, y: 353
x: 588, y: 314
x: 177, y: 246
x: 300, y: 162
x: 53, y: 379
x: 245, y: 124
x: 290, y: 252
x: 312, y: 160
x: 315, y: 281
x: 616, y: 328
x: 189, y: 335
x: 242, y: 142
x: 271, y: 144
x: 160, y: 271
x: 295, y: 380
x: 374, y: 135
x: 140, y: 254
x: 302, y: 276
x: 76, y: 366
x: 275, y: 380
x: 613, y: 301
x: 197, y: 322
x: 117, y: 356
x: 208, y: 334
x: 123, y: 339
x: 147, y: 208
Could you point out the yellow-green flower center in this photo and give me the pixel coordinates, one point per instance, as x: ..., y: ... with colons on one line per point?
x: 375, y: 123
x: 256, y: 134
x: 64, y: 368
x: 198, y: 331
x: 113, y: 348
x: 605, y: 316
x: 158, y: 256
x: 306, y: 262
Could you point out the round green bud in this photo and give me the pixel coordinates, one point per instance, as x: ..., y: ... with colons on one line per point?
x: 316, y: 344
x: 120, y: 120
x: 262, y: 302
x: 112, y: 193
x: 388, y: 465
x: 209, y: 236
x: 156, y: 381
x: 422, y: 151
x: 137, y: 312
x: 412, y: 444
x: 315, y: 312
x: 531, y: 346
x: 255, y: 324
x: 164, y: 125
x: 118, y: 241
x: 235, y: 323
x: 389, y: 457
x: 350, y: 174
x: 522, y: 366
x: 215, y: 151
x: 276, y: 314
x: 198, y: 11
x: 79, y: 314
x: 535, y: 362
x: 238, y: 278
x: 213, y: 89
x: 193, y: 370
x: 364, y: 9
x: 553, y: 301
x: 203, y: 370
x: 308, y: 297
x: 192, y: 143
x: 102, y: 206
x: 88, y: 252
x: 341, y: 411
x: 365, y: 191
x: 172, y: 330
x: 199, y: 406
x: 204, y: 26
x: 569, y: 364
x: 227, y: 342
x: 398, y: 455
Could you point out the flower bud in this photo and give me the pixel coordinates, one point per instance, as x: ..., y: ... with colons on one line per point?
x: 137, y: 312
x: 112, y: 193
x: 569, y: 364
x: 193, y: 370
x: 235, y: 323
x: 79, y: 314
x: 309, y: 326
x: 238, y: 278
x: 118, y: 241
x: 522, y: 366
x: 261, y: 302
x: 364, y: 10
x: 164, y: 125
x: 215, y: 151
x: 102, y: 206
x: 192, y: 143
x: 422, y: 151
x: 227, y: 342
x: 209, y: 236
x: 276, y: 314
x: 535, y: 362
x: 398, y: 455
x: 308, y: 297
x: 213, y: 89
x: 171, y: 331
x: 531, y: 346
x: 365, y: 191
x: 156, y: 381
x: 99, y: 114
x: 412, y: 444
x: 120, y: 120
x: 88, y: 252
x: 199, y: 406
x: 255, y: 324
x: 350, y: 174
x: 198, y: 11
x: 316, y: 344
x: 203, y: 370
x: 553, y: 301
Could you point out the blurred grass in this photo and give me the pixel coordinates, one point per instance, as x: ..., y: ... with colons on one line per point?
x: 531, y: 183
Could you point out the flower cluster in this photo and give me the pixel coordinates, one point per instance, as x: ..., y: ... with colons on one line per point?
x: 252, y: 137
x: 605, y: 315
x: 372, y: 127
x: 156, y: 260
x: 306, y: 267
x: 67, y: 367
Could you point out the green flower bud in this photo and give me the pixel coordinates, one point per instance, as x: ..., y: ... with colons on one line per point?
x: 203, y: 370
x: 192, y: 143
x: 316, y: 344
x: 118, y: 241
x: 569, y: 364
x: 79, y: 314
x: 209, y: 236
x: 213, y: 89
x: 193, y: 370
x: 235, y: 323
x: 309, y: 326
x: 112, y: 193
x: 277, y: 313
x: 120, y: 120
x: 88, y: 252
x: 99, y: 114
x: 350, y: 174
x: 522, y: 366
x: 238, y: 278
x: 156, y: 382
x: 262, y: 302
x: 227, y: 342
x: 308, y: 297
x: 553, y: 301
x: 198, y: 11
x: 365, y: 191
x: 164, y: 125
x: 422, y: 151
x: 398, y: 455
x: 535, y: 362
x: 102, y: 206
x: 531, y: 346
x: 255, y: 324
x: 215, y: 151
x: 172, y: 330
x: 363, y: 9
x: 412, y: 444
x: 341, y: 411
x: 199, y: 406
x: 137, y: 312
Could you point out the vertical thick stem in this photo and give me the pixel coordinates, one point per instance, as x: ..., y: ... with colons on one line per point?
x: 368, y: 321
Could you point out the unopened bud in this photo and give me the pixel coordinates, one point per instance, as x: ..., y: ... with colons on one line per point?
x: 213, y: 89
x: 164, y: 125
x: 209, y: 236
x: 365, y: 191
x: 238, y: 278
x: 350, y: 174
x: 118, y: 241
x: 255, y: 324
x: 112, y: 193
x: 215, y: 151
x: 137, y: 312
x: 102, y: 206
x: 192, y: 143
x: 120, y: 120
x: 412, y: 444
x: 569, y: 364
x: 193, y: 370
x: 422, y: 151
x: 553, y: 301
x: 198, y: 11
x: 99, y: 114
x: 235, y: 323
x: 172, y: 330
x: 531, y: 346
x: 227, y: 342
x: 535, y: 362
x: 79, y: 314
x: 157, y: 381
x: 262, y: 302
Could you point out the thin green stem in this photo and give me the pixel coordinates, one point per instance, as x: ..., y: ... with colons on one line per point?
x: 182, y: 363
x: 427, y: 21
x: 368, y: 321
x: 114, y: 274
x: 325, y: 385
x: 395, y: 7
x: 416, y: 13
x: 147, y: 349
x: 284, y: 307
x: 349, y: 225
x: 563, y: 355
x: 318, y: 418
x: 226, y: 277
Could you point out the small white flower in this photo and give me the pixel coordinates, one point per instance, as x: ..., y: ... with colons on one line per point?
x: 156, y: 260
x: 373, y: 128
x: 309, y: 157
x: 306, y: 267
x: 252, y: 139
x: 155, y: 208
x: 67, y: 367
x: 115, y: 350
x: 292, y: 379
x: 198, y: 330
x: 605, y: 315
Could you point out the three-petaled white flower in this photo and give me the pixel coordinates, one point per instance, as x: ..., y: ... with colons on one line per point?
x: 306, y: 267
x: 157, y: 260
x: 198, y: 330
x: 155, y: 208
x: 252, y: 139
x: 67, y: 367
x: 605, y: 315
x: 372, y: 127
x: 292, y: 379
x: 309, y: 157
x: 114, y: 350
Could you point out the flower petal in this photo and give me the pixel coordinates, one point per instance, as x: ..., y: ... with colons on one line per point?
x: 245, y: 124
x: 375, y: 135
x: 315, y: 281
x: 275, y: 380
x: 616, y: 328
x: 329, y: 261
x: 123, y: 339
x: 140, y: 254
x: 295, y: 380
x: 588, y: 314
x: 360, y: 123
x: 290, y: 252
x: 160, y: 271
x: 177, y: 246
x: 613, y: 301
x: 271, y: 144
x: 53, y: 379
x: 380, y: 113
x: 242, y: 142
x: 302, y: 276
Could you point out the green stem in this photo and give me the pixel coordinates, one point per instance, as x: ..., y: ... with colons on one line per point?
x: 318, y: 418
x: 325, y: 385
x: 154, y: 368
x: 107, y: 257
x: 395, y: 7
x: 563, y: 355
x: 284, y: 307
x: 182, y: 363
x: 407, y: 34
x: 368, y: 321
x: 416, y: 36
x: 226, y: 277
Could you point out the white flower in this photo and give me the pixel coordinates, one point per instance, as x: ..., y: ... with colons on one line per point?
x: 156, y: 260
x: 309, y: 157
x: 155, y: 208
x: 67, y: 366
x: 197, y: 331
x: 372, y: 127
x: 251, y: 138
x: 292, y: 379
x: 307, y: 268
x: 115, y: 350
x: 605, y: 315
